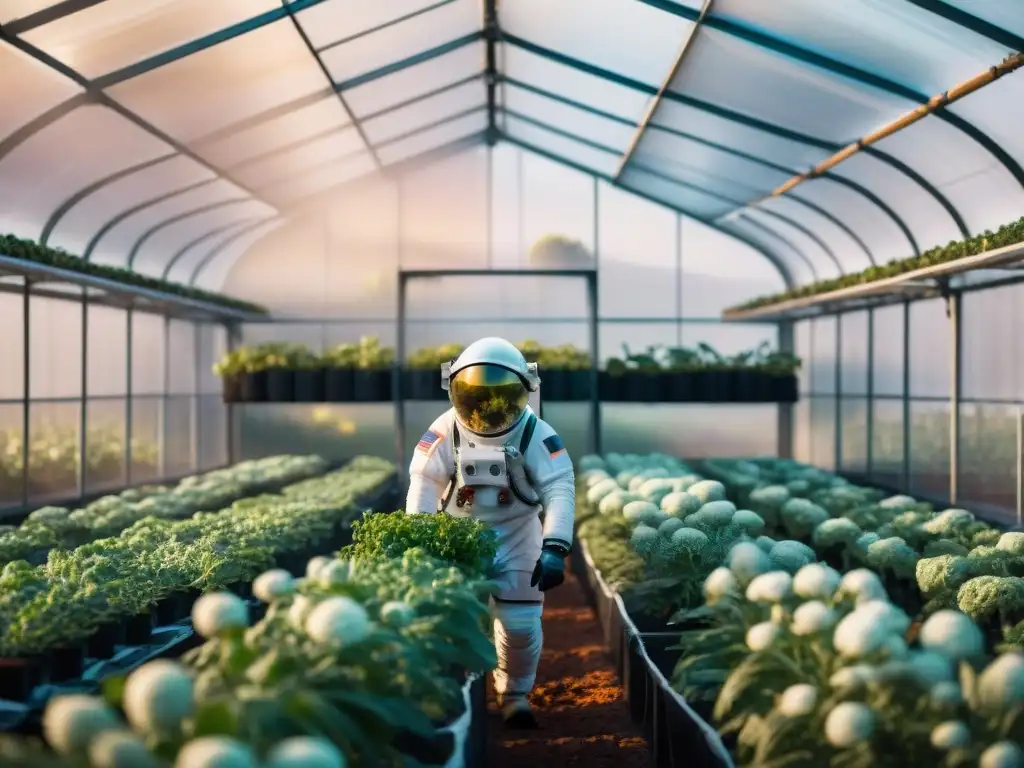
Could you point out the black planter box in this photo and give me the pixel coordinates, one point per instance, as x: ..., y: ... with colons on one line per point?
x: 339, y: 385
x: 371, y: 386
x: 309, y: 385
x: 280, y: 385
x: 422, y: 384
x: 554, y: 384
x: 784, y: 389
x: 67, y: 663
x: 104, y: 641
x: 644, y: 387
x: 611, y: 387
x: 253, y: 387
x: 138, y: 629
x: 232, y: 388
x: 578, y: 386
x: 677, y: 387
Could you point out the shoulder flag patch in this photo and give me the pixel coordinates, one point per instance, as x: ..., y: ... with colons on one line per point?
x: 554, y: 445
x: 427, y: 442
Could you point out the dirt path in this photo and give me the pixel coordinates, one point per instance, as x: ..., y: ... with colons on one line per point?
x: 583, y: 718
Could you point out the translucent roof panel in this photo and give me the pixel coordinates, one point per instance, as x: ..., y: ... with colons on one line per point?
x: 106, y: 37
x: 633, y: 39
x: 684, y: 198
x: 353, y: 40
x: 851, y: 251
x: 30, y: 89
x: 1004, y: 15
x: 433, y: 138
x: 232, y: 81
x: 546, y: 141
x: 299, y: 157
x: 190, y: 255
x: 291, y: 187
x: 529, y: 69
x: 241, y: 142
x: 797, y: 264
x: 391, y: 123
x: 93, y: 141
x: 217, y: 261
x: 390, y: 88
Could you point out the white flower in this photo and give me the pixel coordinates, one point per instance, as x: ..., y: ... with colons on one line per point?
x: 1001, y: 685
x: 771, y: 587
x: 748, y: 560
x: 338, y: 620
x: 273, y: 584
x: 953, y: 635
x: 1002, y: 754
x: 120, y: 749
x: 885, y: 613
x: 760, y: 636
x: 931, y: 668
x: 215, y: 752
x: 798, y: 700
x: 863, y: 584
x: 397, y: 613
x: 950, y: 735
x: 848, y: 724
x: 859, y: 634
x: 751, y: 522
x: 816, y: 581
x: 315, y: 565
x: 946, y: 693
x: 217, y: 612
x: 334, y: 572
x: 719, y: 583
x: 71, y: 722
x: 158, y: 696
x: 851, y: 677
x: 305, y: 752
x: 299, y: 610
x: 813, y: 617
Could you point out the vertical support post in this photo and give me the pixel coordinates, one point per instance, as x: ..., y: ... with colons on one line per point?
x: 26, y: 391
x: 164, y: 401
x: 129, y: 426
x: 234, y: 339
x: 83, y: 411
x: 838, y: 372
x: 954, y: 305
x: 595, y: 395
x: 906, y: 396
x: 492, y: 34
x: 869, y: 429
x: 1020, y: 466
x: 396, y: 381
x: 195, y: 449
x: 785, y: 411
x: 679, y: 280
x: 490, y: 207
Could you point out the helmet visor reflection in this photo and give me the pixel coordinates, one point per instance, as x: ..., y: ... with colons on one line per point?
x: 488, y: 399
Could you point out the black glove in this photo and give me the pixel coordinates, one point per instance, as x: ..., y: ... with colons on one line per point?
x: 550, y: 569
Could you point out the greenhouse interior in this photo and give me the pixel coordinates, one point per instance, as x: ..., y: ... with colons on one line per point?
x: 762, y: 255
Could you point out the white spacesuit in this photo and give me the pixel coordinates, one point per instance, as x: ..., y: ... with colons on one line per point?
x: 492, y: 458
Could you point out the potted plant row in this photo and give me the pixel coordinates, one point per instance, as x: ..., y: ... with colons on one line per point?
x: 293, y: 373
x: 700, y: 375
x: 1006, y: 235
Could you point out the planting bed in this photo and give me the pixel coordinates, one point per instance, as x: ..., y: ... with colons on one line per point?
x: 579, y: 702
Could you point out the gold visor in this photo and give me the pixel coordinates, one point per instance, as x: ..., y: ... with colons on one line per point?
x: 488, y: 399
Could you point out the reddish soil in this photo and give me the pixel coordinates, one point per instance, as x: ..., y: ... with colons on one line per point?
x: 583, y: 717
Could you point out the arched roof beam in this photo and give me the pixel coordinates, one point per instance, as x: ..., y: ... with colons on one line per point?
x: 180, y: 253
x: 727, y: 114
x: 857, y: 75
x: 133, y: 253
x: 981, y: 27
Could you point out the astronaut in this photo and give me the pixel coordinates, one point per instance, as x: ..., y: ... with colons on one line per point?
x: 490, y: 457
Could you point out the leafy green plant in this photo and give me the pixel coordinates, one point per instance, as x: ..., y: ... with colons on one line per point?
x: 461, y: 542
x: 432, y: 358
x: 1006, y: 235
x: 18, y: 248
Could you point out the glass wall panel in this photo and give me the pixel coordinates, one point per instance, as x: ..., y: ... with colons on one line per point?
x: 887, y: 443
x: 55, y: 344
x: 824, y: 359
x: 213, y: 433
x: 988, y: 458
x: 690, y: 431
x: 105, y: 445
x: 854, y: 353
x: 888, y: 351
x: 993, y: 348
x: 147, y: 354
x: 182, y: 357
x: 929, y: 448
x: 178, y: 437
x: 106, y: 351
x: 823, y: 432
x: 803, y: 346
x: 12, y: 351
x: 11, y: 468
x: 930, y: 347
x: 146, y: 430
x: 53, y: 451
x: 729, y: 340
x: 854, y: 426
x: 802, y: 431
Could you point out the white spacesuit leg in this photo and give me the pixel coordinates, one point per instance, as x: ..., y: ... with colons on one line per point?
x: 518, y: 637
